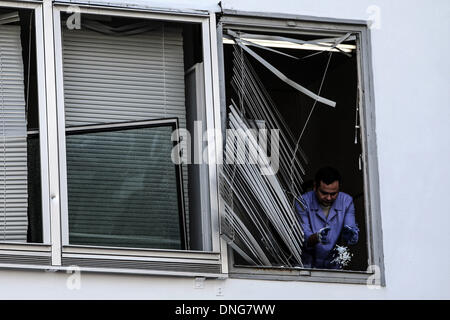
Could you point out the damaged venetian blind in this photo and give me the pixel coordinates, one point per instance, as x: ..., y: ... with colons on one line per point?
x: 13, y: 138
x: 108, y: 79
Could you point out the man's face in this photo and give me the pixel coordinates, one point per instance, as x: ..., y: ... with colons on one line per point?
x: 327, y: 193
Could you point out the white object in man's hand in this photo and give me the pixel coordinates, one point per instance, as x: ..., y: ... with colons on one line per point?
x: 323, y: 235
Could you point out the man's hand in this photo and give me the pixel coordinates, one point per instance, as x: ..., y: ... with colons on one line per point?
x: 323, y: 235
x: 319, y: 237
x: 349, y: 235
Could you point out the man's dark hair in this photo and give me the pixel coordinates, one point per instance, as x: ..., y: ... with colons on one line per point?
x: 327, y: 175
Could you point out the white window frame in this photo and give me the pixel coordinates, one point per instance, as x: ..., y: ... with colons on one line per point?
x: 284, y: 23
x: 32, y: 254
x: 55, y: 253
x: 148, y: 261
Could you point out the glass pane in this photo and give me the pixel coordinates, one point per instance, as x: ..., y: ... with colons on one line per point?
x: 34, y: 190
x: 123, y: 189
x: 20, y: 182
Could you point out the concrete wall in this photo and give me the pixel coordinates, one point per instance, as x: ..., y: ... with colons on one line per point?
x: 411, y: 78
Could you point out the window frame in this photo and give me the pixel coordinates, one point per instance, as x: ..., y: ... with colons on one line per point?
x: 138, y: 124
x: 93, y: 258
x: 31, y: 254
x: 294, y: 24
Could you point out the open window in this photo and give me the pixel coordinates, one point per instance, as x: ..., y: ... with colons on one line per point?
x: 310, y: 80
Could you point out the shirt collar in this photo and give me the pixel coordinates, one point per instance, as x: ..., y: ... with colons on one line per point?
x: 337, y: 205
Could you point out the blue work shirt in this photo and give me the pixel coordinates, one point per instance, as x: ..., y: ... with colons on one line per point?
x: 312, y: 219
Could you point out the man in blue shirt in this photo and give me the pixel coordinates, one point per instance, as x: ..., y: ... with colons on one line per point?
x: 327, y: 217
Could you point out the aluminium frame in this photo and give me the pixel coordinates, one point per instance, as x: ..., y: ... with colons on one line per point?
x: 294, y: 24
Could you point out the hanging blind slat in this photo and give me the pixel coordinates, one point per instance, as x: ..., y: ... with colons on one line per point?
x: 13, y: 138
x: 117, y: 198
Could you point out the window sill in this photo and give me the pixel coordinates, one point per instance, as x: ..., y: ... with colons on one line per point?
x: 300, y: 274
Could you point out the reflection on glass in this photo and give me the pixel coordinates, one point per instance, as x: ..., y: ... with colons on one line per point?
x: 123, y: 189
x: 34, y: 190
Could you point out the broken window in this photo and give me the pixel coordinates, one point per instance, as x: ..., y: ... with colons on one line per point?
x: 21, y: 218
x: 304, y: 84
x: 125, y: 187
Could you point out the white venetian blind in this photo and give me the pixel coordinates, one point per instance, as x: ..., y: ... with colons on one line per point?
x: 110, y: 79
x: 13, y: 138
x: 113, y: 78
